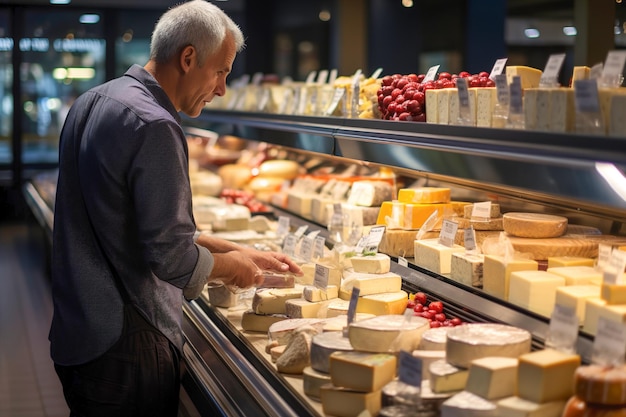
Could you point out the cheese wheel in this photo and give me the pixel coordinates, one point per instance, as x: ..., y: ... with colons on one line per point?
x: 534, y: 225
x: 601, y: 384
x: 312, y: 381
x: 390, y: 333
x: 434, y: 339
x: 278, y: 168
x: 325, y: 344
x: 466, y: 404
x: 477, y: 340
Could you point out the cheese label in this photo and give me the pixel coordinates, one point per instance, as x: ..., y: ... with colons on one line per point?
x: 464, y: 101
x: 370, y: 242
x: 563, y: 330
x: 498, y: 67
x: 617, y: 263
x: 283, y: 226
x: 306, y: 248
x: 337, y: 96
x: 469, y: 239
x: 481, y: 211
x: 354, y: 299
x: 321, y: 276
x: 289, y: 245
x: 410, y: 369
x: 609, y: 345
x: 431, y: 73
x: 515, y: 96
x: 265, y: 98
x: 318, y: 247
x: 448, y: 233
x: 402, y: 261
x: 550, y: 75
x: 604, y: 256
x: 613, y: 67
x: 586, y: 96
x: 502, y: 90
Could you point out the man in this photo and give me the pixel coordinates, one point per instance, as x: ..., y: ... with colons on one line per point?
x: 125, y: 247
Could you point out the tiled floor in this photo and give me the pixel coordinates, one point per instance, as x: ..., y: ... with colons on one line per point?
x: 28, y: 384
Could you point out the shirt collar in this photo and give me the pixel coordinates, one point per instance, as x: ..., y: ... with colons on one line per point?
x: 152, y: 85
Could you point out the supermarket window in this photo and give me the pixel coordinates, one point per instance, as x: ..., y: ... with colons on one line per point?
x: 63, y: 55
x: 6, y: 89
x: 132, y: 40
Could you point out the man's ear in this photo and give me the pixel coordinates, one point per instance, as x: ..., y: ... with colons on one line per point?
x: 187, y: 58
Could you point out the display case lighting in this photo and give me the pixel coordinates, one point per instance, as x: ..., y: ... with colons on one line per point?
x: 532, y: 33
x: 60, y: 1
x: 73, y: 73
x: 570, y: 31
x: 89, y: 18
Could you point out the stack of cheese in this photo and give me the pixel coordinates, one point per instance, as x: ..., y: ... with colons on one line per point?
x: 301, y: 193
x: 442, y: 106
x: 406, y: 215
x: 212, y: 213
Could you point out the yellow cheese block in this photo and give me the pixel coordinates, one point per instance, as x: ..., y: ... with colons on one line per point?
x: 424, y: 195
x: 613, y: 293
x: 559, y: 261
x: 529, y: 77
x: 534, y: 225
x: 383, y: 304
x: 416, y: 214
x: 542, y: 375
x: 575, y: 297
x: 578, y: 275
x: 360, y: 371
x: 400, y: 242
x: 433, y: 256
x: 343, y: 402
x: 369, y: 284
x: 580, y: 72
x: 497, y: 272
x: 534, y: 290
x: 593, y: 306
x: 493, y: 377
x: 391, y: 214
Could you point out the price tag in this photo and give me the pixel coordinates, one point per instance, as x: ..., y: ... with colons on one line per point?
x: 303, y: 100
x: 586, y: 96
x: 604, y: 256
x: 613, y: 67
x: 609, y: 346
x: 321, y: 276
x: 289, y: 245
x: 448, y: 233
x: 550, y: 75
x: 498, y: 67
x: 295, y: 104
x: 256, y: 78
x: 310, y: 79
x: 373, y: 239
x: 431, y: 74
x: 563, y: 329
x: 402, y: 261
x: 333, y: 76
x: 300, y: 231
x: 614, y: 270
x: 469, y: 239
x: 354, y: 299
x: 322, y: 76
x: 461, y: 84
x: 596, y: 71
x: 306, y: 248
x: 287, y: 97
x: 410, y: 369
x: 481, y: 211
x: 515, y: 96
x: 318, y: 247
x: 283, y: 226
x: 502, y: 90
x: 337, y: 96
x: 265, y: 98
x: 377, y: 73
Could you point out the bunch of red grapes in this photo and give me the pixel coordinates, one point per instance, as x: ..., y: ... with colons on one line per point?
x: 403, y: 97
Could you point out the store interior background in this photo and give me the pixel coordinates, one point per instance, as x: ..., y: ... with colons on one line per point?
x: 49, y: 54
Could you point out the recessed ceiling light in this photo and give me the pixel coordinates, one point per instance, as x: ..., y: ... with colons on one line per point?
x: 89, y: 18
x: 569, y: 31
x: 60, y: 1
x: 531, y: 33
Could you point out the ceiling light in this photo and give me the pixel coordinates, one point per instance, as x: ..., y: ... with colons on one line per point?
x: 60, y: 1
x: 324, y: 15
x: 531, y: 33
x: 89, y: 18
x: 407, y: 3
x: 73, y: 73
x: 570, y: 31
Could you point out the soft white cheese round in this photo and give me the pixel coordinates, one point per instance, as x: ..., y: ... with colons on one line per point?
x: 323, y: 345
x: 387, y: 333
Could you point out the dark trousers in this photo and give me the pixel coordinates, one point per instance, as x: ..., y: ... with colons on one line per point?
x: 139, y: 376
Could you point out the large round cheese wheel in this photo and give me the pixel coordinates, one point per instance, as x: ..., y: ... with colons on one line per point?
x: 434, y: 339
x: 287, y: 170
x: 323, y: 345
x: 387, y: 333
x: 478, y: 340
x: 534, y: 225
x: 235, y: 175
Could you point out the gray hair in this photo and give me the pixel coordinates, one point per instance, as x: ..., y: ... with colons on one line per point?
x: 196, y: 23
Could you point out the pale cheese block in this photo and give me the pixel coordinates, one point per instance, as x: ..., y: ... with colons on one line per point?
x: 580, y: 72
x: 497, y: 272
x: 431, y: 102
x: 562, y: 110
x: 472, y: 341
x: 360, y: 371
x: 378, y: 263
x: 493, y: 213
x: 593, y: 307
x: 575, y: 296
x: 617, y: 121
x: 542, y: 373
x: 424, y: 195
x: 280, y: 332
x: 493, y: 224
x: 578, y: 275
x: 312, y: 382
x: 401, y: 242
x: 221, y: 296
x: 416, y: 214
x: 518, y: 407
x: 322, y: 208
x: 325, y: 344
x: 455, y: 107
x: 493, y: 377
x: 370, y: 193
x: 467, y: 269
x: 308, y: 273
x: 444, y: 97
x: 614, y: 313
x: 466, y: 404
x: 534, y: 225
x: 390, y: 333
x: 534, y: 290
x: 383, y: 304
x: 428, y: 357
x: 337, y: 307
x: 252, y: 322
x: 358, y: 215
x: 276, y: 351
x: 613, y: 293
x: 299, y: 308
x: 272, y: 301
x: 486, y: 100
x: 530, y: 108
x: 297, y: 353
x: 341, y: 402
x: 445, y: 377
x: 529, y: 76
x: 340, y: 322
x: 434, y: 256
x: 314, y: 294
x: 434, y: 339
x: 565, y: 261
x: 369, y: 284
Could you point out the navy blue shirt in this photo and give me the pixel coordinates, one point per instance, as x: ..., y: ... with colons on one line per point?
x: 123, y: 181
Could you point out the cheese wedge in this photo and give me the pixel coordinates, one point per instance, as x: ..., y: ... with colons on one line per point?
x: 434, y: 339
x: 360, y: 371
x: 424, y: 195
x: 369, y: 284
x: 314, y: 294
x: 325, y: 344
x: 529, y: 77
x: 518, y: 407
x: 613, y: 293
x: 252, y: 322
x: 383, y: 304
x: 446, y: 378
x: 299, y: 308
x: 272, y: 301
x: 593, y: 307
x: 466, y: 404
x: 428, y: 357
x: 379, y: 263
x: 312, y: 382
x: 578, y: 275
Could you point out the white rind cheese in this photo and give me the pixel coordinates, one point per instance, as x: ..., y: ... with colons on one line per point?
x: 312, y: 382
x: 314, y: 294
x: 434, y: 339
x: 390, y: 333
x: 341, y: 402
x: 370, y: 193
x: 252, y: 322
x: 272, y: 300
x: 518, y: 407
x: 445, y: 377
x: 472, y: 341
x: 299, y: 308
x: 428, y: 357
x: 325, y: 344
x: 466, y: 404
x: 280, y: 332
x: 296, y: 356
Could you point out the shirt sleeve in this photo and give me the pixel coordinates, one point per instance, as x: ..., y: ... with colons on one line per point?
x: 198, y: 279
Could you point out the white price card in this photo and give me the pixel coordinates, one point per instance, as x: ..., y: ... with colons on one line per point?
x: 410, y: 369
x: 614, y: 64
x: 337, y: 96
x: 563, y: 330
x: 502, y: 89
x: 289, y: 245
x: 310, y: 79
x: 550, y: 74
x: 318, y: 247
x: 354, y: 299
x: 322, y: 77
x: 333, y: 76
x: 431, y: 73
x: 614, y: 270
x: 448, y: 233
x: 287, y: 97
x: 515, y: 96
x: 604, y: 256
x: 306, y: 248
x: 283, y: 226
x: 498, y: 67
x: 301, y: 230
x: 256, y: 78
x: 373, y: 239
x: 377, y: 73
x: 586, y: 96
x: 609, y: 345
x: 481, y: 211
x: 402, y: 261
x: 462, y: 88
x: 321, y: 276
x: 469, y: 239
x: 596, y: 71
x: 265, y: 98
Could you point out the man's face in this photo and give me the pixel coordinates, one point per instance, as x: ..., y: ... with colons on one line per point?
x: 204, y: 82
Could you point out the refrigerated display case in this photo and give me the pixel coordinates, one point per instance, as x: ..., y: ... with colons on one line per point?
x: 582, y: 177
